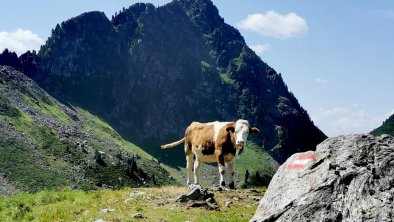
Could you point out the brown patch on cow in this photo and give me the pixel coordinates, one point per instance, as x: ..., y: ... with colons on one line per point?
x: 220, y: 157
x: 226, y: 140
x: 210, y: 150
x: 200, y: 135
x: 188, y: 148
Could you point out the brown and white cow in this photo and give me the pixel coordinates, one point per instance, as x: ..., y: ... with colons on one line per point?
x: 214, y: 142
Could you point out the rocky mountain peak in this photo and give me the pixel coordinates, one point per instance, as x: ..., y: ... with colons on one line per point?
x: 150, y: 78
x: 202, y: 12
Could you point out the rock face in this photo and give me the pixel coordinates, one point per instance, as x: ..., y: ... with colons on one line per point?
x: 150, y: 79
x: 348, y: 178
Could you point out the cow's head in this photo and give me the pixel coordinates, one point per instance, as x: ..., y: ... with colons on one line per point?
x: 241, y: 132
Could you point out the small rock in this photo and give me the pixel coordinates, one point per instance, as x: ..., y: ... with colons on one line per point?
x: 227, y: 203
x: 255, y: 198
x: 135, y: 193
x: 99, y: 220
x: 210, y: 200
x: 127, y: 200
x: 138, y: 216
x: 104, y: 211
x: 253, y: 191
x: 194, y: 187
x: 197, y: 204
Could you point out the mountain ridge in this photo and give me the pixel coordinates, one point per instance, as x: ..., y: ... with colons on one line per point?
x: 150, y: 79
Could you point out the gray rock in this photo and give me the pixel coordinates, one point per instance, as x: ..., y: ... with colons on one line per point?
x: 107, y: 210
x: 138, y: 216
x: 348, y: 178
x: 196, y: 193
x: 136, y: 193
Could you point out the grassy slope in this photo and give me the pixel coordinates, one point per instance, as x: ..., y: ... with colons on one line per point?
x: 35, y: 155
x: 61, y: 163
x: 158, y: 204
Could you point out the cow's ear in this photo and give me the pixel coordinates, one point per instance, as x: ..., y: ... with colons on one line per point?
x: 254, y: 131
x: 230, y: 129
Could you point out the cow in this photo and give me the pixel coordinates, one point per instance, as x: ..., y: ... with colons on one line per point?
x: 214, y: 142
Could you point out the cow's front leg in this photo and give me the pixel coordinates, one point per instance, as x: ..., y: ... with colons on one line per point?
x: 221, y: 169
x: 196, y: 170
x: 231, y: 167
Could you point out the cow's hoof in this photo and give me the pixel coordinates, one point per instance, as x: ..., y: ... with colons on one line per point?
x: 232, y: 186
x: 223, y: 184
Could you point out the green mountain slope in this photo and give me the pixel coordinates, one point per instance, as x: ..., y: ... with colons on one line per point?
x: 386, y: 128
x: 47, y: 145
x: 150, y: 78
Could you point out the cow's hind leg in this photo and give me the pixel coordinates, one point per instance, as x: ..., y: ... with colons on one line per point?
x: 196, y: 170
x: 189, y: 167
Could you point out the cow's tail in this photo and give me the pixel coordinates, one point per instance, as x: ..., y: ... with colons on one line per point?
x: 170, y: 145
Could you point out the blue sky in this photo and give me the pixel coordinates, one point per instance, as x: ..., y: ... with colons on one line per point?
x: 337, y: 57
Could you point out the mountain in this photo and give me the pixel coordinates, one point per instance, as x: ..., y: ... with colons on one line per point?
x: 150, y: 72
x: 47, y: 145
x: 386, y: 128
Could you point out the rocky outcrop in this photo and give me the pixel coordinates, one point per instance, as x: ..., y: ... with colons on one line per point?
x: 348, y: 178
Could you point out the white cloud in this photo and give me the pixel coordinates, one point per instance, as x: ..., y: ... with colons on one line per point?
x: 273, y: 24
x: 20, y: 41
x: 259, y: 49
x: 321, y: 81
x: 346, y: 120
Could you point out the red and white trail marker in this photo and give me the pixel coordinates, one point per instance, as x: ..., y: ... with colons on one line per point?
x: 301, y: 160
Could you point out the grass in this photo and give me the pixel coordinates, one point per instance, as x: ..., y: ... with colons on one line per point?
x: 21, y: 166
x: 158, y: 204
x: 253, y: 159
x: 46, y: 106
x: 95, y: 125
x: 6, y: 107
x: 225, y: 78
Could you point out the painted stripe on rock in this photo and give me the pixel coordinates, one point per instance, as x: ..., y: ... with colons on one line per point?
x: 301, y: 160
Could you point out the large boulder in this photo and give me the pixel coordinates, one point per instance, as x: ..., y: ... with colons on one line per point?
x: 347, y: 178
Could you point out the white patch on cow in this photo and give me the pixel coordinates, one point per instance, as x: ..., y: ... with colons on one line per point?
x: 216, y: 128
x: 221, y: 169
x: 241, y: 132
